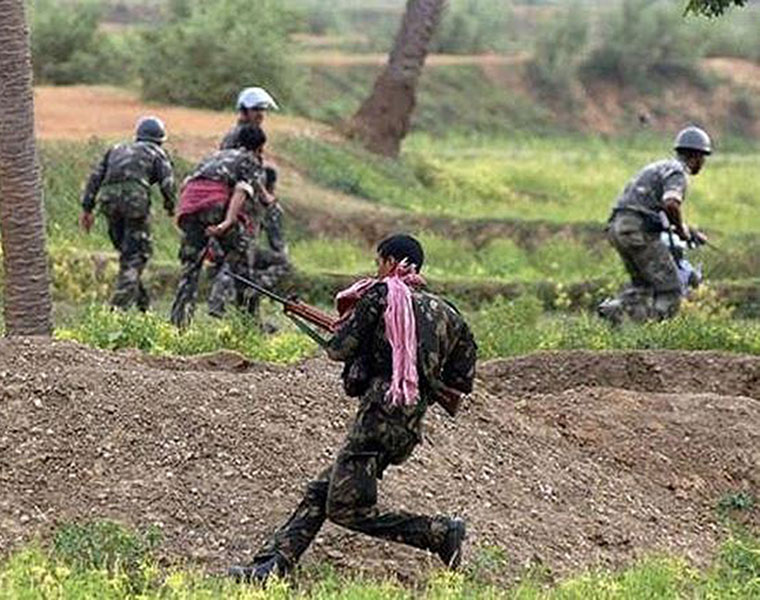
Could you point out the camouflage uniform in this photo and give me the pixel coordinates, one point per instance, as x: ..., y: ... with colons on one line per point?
x: 381, y: 435
x: 123, y: 179
x: 231, y: 167
x: 634, y: 230
x: 267, y: 266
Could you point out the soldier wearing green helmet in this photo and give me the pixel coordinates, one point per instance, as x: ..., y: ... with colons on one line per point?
x: 650, y: 204
x: 121, y: 181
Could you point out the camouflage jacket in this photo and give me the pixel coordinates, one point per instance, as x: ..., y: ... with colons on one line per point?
x: 446, y: 349
x: 653, y: 185
x: 142, y: 162
x: 231, y: 167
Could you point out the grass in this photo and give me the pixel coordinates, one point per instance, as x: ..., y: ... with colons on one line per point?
x: 550, y: 179
x: 100, y: 327
x: 502, y: 328
x: 107, y: 561
x: 556, y: 179
x: 560, y: 260
x: 520, y: 327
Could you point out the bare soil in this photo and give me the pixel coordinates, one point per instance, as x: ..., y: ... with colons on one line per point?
x: 567, y: 460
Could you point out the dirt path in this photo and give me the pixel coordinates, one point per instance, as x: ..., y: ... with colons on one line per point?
x: 568, y: 460
x: 344, y: 59
x: 81, y: 112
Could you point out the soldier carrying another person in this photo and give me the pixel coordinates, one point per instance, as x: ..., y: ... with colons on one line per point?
x: 268, y: 265
x: 650, y: 204
x: 209, y: 215
x: 403, y: 350
x: 122, y: 181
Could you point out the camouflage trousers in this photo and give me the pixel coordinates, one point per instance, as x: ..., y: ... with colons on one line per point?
x: 655, y: 288
x: 129, y: 230
x: 267, y: 266
x: 228, y: 254
x: 346, y: 492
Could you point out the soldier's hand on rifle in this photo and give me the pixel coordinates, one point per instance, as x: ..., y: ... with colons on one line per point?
x: 698, y: 238
x: 86, y: 220
x: 683, y: 232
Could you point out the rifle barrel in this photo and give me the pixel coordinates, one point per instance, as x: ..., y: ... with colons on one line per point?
x: 261, y: 289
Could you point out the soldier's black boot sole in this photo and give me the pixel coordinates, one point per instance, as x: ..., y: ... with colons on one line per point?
x: 451, y: 549
x: 257, y: 573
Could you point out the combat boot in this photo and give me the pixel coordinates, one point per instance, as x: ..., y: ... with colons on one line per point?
x: 450, y: 551
x: 258, y: 572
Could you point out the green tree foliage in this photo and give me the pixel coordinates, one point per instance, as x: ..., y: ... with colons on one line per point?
x: 474, y: 26
x: 712, y: 8
x: 559, y: 50
x: 205, y: 58
x: 68, y: 48
x: 646, y: 42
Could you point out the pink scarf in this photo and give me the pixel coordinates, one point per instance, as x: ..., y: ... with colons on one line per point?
x: 400, y: 327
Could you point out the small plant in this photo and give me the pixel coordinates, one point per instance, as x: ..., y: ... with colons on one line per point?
x: 109, y: 546
x: 487, y: 563
x: 736, y: 501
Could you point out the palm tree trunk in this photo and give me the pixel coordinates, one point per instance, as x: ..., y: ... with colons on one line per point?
x: 27, y: 303
x: 383, y: 120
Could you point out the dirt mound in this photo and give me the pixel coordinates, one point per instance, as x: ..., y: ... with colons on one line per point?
x: 216, y: 450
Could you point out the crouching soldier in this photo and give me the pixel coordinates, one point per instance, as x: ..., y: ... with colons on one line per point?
x: 650, y: 204
x: 209, y: 215
x: 403, y: 349
x: 122, y: 181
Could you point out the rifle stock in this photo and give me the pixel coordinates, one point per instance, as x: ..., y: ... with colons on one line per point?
x: 312, y: 315
x: 448, y: 398
x: 294, y: 307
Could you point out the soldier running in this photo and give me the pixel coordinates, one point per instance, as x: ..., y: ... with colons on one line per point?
x: 267, y: 265
x: 650, y: 204
x: 209, y: 214
x: 122, y: 181
x: 402, y: 348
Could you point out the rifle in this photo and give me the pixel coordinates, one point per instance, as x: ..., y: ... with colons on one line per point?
x: 300, y: 313
x: 696, y: 242
x: 449, y: 398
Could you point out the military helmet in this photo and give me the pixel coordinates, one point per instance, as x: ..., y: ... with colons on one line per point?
x: 256, y: 97
x: 150, y: 129
x: 694, y: 139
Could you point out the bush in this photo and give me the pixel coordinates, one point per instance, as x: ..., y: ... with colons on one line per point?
x: 645, y: 43
x: 68, y: 48
x: 474, y: 26
x: 558, y: 52
x: 107, y: 546
x: 104, y: 328
x: 206, y: 58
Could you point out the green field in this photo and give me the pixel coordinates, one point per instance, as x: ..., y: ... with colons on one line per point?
x: 122, y: 566
x: 565, y: 181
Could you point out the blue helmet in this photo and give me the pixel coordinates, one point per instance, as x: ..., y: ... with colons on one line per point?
x: 150, y: 129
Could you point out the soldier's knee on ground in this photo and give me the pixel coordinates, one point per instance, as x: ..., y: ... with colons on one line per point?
x: 352, y: 492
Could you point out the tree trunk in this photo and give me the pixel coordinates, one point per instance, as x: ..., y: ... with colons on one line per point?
x: 383, y: 120
x: 27, y: 303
